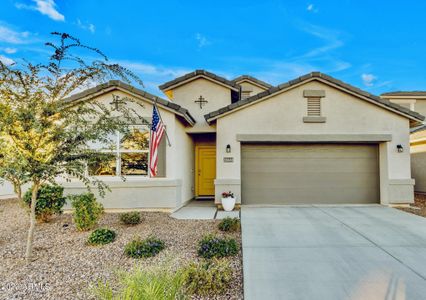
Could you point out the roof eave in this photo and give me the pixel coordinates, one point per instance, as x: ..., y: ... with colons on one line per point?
x: 416, y: 118
x: 198, y: 74
x: 127, y: 88
x: 252, y: 80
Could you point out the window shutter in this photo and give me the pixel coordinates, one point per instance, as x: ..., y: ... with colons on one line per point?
x: 314, y: 106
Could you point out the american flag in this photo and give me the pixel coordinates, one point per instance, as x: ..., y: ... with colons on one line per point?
x: 157, y: 132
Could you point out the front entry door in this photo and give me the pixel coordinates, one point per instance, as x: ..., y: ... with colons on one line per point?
x: 206, y: 170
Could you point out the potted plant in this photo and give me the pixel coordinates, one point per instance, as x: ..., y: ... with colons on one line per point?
x: 228, y: 201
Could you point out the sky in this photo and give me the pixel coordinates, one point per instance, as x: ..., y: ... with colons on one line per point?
x: 378, y: 46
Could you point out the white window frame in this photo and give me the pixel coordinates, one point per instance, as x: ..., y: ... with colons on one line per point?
x: 118, y: 151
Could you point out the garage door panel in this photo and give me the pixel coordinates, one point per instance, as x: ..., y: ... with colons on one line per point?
x: 291, y: 166
x: 313, y: 151
x: 296, y: 174
x: 327, y: 180
x: 309, y: 196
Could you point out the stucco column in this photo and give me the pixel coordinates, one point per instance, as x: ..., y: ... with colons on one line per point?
x: 384, y: 172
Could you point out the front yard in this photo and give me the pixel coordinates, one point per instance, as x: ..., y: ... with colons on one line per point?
x: 419, y: 206
x: 66, y: 267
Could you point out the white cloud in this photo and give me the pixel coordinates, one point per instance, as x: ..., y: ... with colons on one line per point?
x: 368, y: 79
x: 6, y: 60
x: 331, y: 38
x: 11, y: 36
x: 202, y: 40
x: 321, y: 58
x: 45, y: 7
x: 324, y: 57
x: 153, y: 75
x: 86, y: 26
x: 92, y: 28
x: 148, y: 69
x: 10, y: 50
x: 312, y: 8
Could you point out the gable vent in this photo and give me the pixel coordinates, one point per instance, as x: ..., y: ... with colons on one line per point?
x: 313, y: 100
x: 314, y: 106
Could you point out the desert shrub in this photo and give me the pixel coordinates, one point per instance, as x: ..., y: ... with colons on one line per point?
x: 150, y: 283
x: 229, y: 224
x: 130, y: 218
x: 101, y: 236
x: 87, y: 210
x: 211, y: 246
x: 208, y: 277
x: 50, y: 201
x: 148, y: 247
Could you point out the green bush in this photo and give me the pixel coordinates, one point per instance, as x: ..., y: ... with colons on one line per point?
x: 130, y: 218
x: 211, y: 246
x: 229, y: 224
x: 101, y: 236
x: 87, y: 211
x: 208, y: 277
x: 148, y: 247
x: 50, y: 201
x: 150, y: 283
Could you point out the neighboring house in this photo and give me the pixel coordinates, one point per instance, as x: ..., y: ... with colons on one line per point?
x: 311, y: 140
x: 416, y: 101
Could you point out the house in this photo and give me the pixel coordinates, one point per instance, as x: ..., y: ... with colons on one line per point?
x: 312, y: 140
x: 416, y: 101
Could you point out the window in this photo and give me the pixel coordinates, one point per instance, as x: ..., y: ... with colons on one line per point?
x: 131, y: 154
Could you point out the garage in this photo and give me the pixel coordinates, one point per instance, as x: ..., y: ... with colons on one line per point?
x: 310, y: 174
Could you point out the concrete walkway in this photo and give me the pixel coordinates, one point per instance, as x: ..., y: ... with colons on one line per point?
x: 326, y: 252
x: 203, y: 210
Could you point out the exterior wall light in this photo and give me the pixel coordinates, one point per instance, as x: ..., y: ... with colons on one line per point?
x: 400, y: 148
x: 228, y: 148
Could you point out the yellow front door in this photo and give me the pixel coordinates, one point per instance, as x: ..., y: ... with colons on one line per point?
x: 206, y: 170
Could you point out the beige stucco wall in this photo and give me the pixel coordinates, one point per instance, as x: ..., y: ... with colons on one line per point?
x: 345, y: 114
x: 184, y: 162
x: 254, y: 88
x: 418, y: 142
x: 6, y: 190
x: 133, y: 192
x: 418, y: 160
x: 418, y: 167
x: 418, y: 105
x: 140, y: 191
x: 217, y: 96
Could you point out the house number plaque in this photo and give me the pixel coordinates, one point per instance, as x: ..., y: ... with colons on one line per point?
x: 228, y: 159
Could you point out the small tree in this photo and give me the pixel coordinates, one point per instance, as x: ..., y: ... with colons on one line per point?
x: 42, y: 136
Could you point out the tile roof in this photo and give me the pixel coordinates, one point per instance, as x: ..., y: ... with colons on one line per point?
x: 198, y: 73
x: 418, y: 129
x: 253, y: 79
x: 405, y: 93
x: 89, y: 93
x: 315, y: 75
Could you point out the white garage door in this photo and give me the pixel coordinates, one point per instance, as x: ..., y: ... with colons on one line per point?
x: 309, y: 174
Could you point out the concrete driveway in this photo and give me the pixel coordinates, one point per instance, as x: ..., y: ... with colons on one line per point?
x: 333, y: 252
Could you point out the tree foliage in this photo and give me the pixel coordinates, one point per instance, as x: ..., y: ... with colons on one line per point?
x: 43, y: 134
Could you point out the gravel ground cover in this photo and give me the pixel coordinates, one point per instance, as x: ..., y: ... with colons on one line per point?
x: 65, y: 267
x: 419, y: 206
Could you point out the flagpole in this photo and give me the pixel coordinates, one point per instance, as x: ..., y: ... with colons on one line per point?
x: 161, y: 119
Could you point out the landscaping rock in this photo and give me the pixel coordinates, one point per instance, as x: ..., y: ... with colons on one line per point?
x: 65, y: 267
